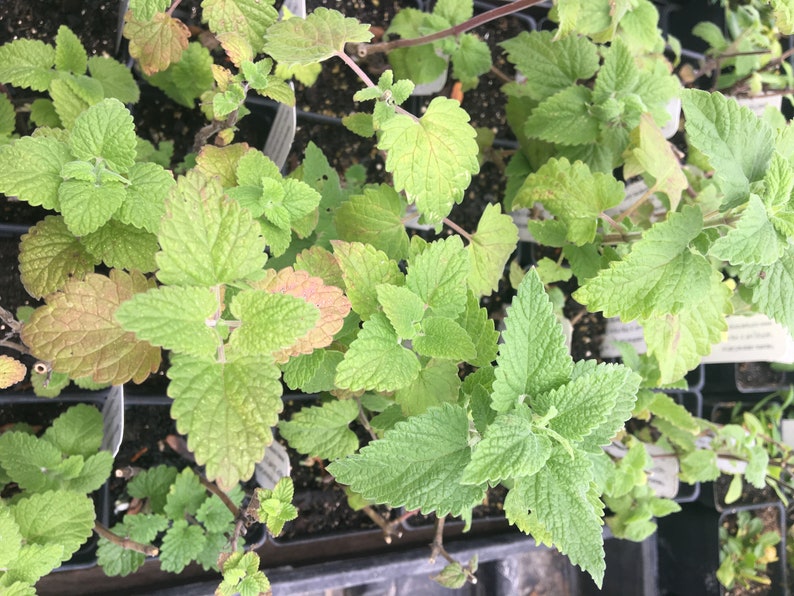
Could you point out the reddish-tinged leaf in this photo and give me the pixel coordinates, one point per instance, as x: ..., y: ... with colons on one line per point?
x: 12, y: 371
x: 333, y: 304
x: 77, y: 333
x: 156, y: 43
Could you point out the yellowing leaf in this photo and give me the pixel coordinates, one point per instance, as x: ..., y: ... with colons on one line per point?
x: 12, y: 371
x: 221, y: 161
x: 77, y: 333
x: 332, y: 303
x: 246, y: 18
x: 156, y: 43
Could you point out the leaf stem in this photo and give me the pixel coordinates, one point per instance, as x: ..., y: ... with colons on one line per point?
x: 4, y: 343
x: 173, y: 7
x: 215, y: 490
x: 364, y: 421
x: 365, y: 49
x: 451, y: 224
x: 146, y: 549
x: 437, y: 547
x: 390, y: 528
x: 636, y: 204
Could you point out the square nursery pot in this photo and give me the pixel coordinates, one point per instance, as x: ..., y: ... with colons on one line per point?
x: 689, y: 550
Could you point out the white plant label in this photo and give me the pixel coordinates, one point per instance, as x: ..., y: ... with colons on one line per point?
x: 273, y: 467
x: 282, y: 134
x: 520, y: 218
x: 759, y: 103
x: 413, y: 213
x: 113, y: 420
x: 663, y: 475
x: 787, y: 431
x: 674, y: 109
x: 635, y: 190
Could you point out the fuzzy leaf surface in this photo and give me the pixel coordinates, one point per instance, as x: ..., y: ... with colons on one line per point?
x: 323, y: 431
x: 363, y: 269
x: 87, y: 206
x: 182, y: 544
x: 375, y: 218
x: 439, y: 275
x: 437, y: 383
x: 772, y: 291
x: 248, y: 18
x: 105, y: 131
x: 116, y: 79
x: 491, y: 246
x: 565, y: 118
x: 12, y: 371
x: 534, y: 358
x: 432, y: 159
x: 32, y: 170
x: 77, y: 333
x: 157, y: 42
x: 403, y: 308
x: 753, y: 241
x: 481, y: 331
x: 27, y: 63
x: 440, y: 337
x: 144, y: 203
x: 122, y: 246
x: 417, y: 464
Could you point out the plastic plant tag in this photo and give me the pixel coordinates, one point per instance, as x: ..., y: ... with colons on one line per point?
x: 674, y: 108
x: 113, y: 420
x: 663, y: 476
x: 759, y: 103
x: 296, y: 7
x: 282, y: 134
x: 273, y: 467
x: 787, y: 431
x: 754, y: 338
x: 413, y: 223
x: 435, y: 86
x: 520, y: 218
x: 635, y: 190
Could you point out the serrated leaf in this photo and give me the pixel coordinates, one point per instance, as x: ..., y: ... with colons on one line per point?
x: 226, y: 409
x: 76, y: 332
x: 35, y: 465
x: 332, y: 304
x: 70, y: 54
x: 50, y: 255
x: 564, y: 510
x: 122, y: 246
x: 78, y: 431
x: 12, y: 371
x: 153, y: 484
x: 312, y: 373
x: 753, y: 240
x: 8, y: 117
x: 417, y: 464
x: 156, y: 42
x: 207, y: 239
x: 323, y: 431
x: 174, y: 318
x: 565, y: 118
x: 737, y: 144
x: 32, y: 170
x: 87, y: 206
x: 12, y: 538
x: 248, y: 18
x: 142, y: 528
x: 491, y: 245
x: 772, y: 287
x: 470, y: 60
x: 439, y: 276
x: 215, y: 516
x: 666, y: 407
x: 74, y: 94
x: 144, y: 203
x: 27, y: 63
x: 374, y: 218
x: 105, y: 131
x: 363, y: 269
x: 573, y: 194
x: 534, y: 358
x: 433, y: 158
x: 481, y: 331
x: 451, y: 576
x: 403, y: 308
x: 316, y: 38
x: 551, y: 65
x: 437, y: 383
x: 440, y: 337
x: 241, y: 575
x: 186, y: 79
x: 660, y: 276
x: 146, y: 9
x: 182, y: 543
x: 510, y: 448
x: 116, y: 79
x: 376, y: 360
x: 185, y: 495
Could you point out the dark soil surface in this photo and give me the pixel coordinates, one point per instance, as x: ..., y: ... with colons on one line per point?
x: 758, y: 376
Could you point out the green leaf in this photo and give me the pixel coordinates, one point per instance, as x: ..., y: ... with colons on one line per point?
x: 70, y: 54
x: 215, y: 516
x: 50, y: 255
x: 146, y: 9
x: 737, y: 144
x: 481, y: 331
x: 667, y: 408
x: 78, y: 431
x: 551, y: 65
x: 433, y: 158
x: 185, y: 495
x: 12, y: 371
x: 437, y: 383
x: 207, y: 239
x: 313, y: 39
x: 439, y: 275
x: 142, y: 528
x: 32, y: 170
x: 374, y: 218
x: 122, y: 246
x: 491, y: 245
x: 75, y: 331
x: 376, y: 360
x: 573, y: 194
x: 470, y: 60
x: 323, y: 431
x: 564, y: 510
x: 753, y: 241
x: 184, y: 81
x: 241, y: 575
x: 699, y: 466
x: 363, y: 269
x: 660, y: 276
x: 433, y: 447
x: 174, y: 318
x: 12, y: 538
x: 8, y: 117
x: 27, y: 63
x: 105, y: 131
x: 144, y: 203
x: 440, y: 337
x: 270, y: 322
x: 153, y: 484
x: 534, y: 358
x: 74, y: 94
x: 247, y: 18
x: 182, y: 544
x: 87, y: 206
x: 34, y: 464
x: 312, y: 373
x: 565, y: 118
x: 403, y: 308
x: 62, y: 518
x: 226, y: 409
x: 772, y: 286
x: 275, y: 506
x: 511, y: 448
x: 155, y: 42
x: 116, y: 79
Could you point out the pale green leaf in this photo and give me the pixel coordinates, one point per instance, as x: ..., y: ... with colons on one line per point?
x: 86, y: 206
x: 753, y: 240
x: 8, y: 117
x: 74, y: 94
x: 664, y: 406
x: 34, y: 464
x: 226, y: 409
x: 470, y: 60
x: 153, y: 484
x: 481, y: 331
x: 70, y: 54
x: 491, y: 245
x: 565, y: 118
x: 363, y: 269
x: 32, y: 170
x: 433, y: 158
x: 105, y: 131
x: 323, y: 431
x: 534, y: 358
x: 660, y: 276
x: 182, y: 543
x: 174, y: 318
x: 144, y: 203
x: 511, y: 448
x: 12, y: 538
x: 312, y: 373
x: 439, y: 276
x: 551, y: 65
x: 184, y: 81
x: 738, y: 144
x: 146, y: 9
x: 313, y: 39
x: 773, y: 287
x: 784, y: 15
x: 376, y: 360
x: 247, y: 18
x: 50, y: 255
x: 440, y: 337
x: 116, y: 79
x: 207, y: 239
x: 78, y: 431
x: 404, y: 309
x: 122, y: 246
x: 437, y: 383
x: 417, y: 464
x: 27, y: 63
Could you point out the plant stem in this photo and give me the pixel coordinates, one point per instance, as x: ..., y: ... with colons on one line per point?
x: 146, y: 549
x: 173, y: 7
x: 4, y: 343
x: 390, y: 528
x: 437, y: 547
x: 636, y: 204
x: 365, y: 49
x: 364, y: 422
x: 213, y: 488
x: 451, y: 224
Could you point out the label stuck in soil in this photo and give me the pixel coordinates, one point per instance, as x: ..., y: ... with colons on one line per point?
x: 282, y: 134
x: 113, y: 420
x: 273, y: 467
